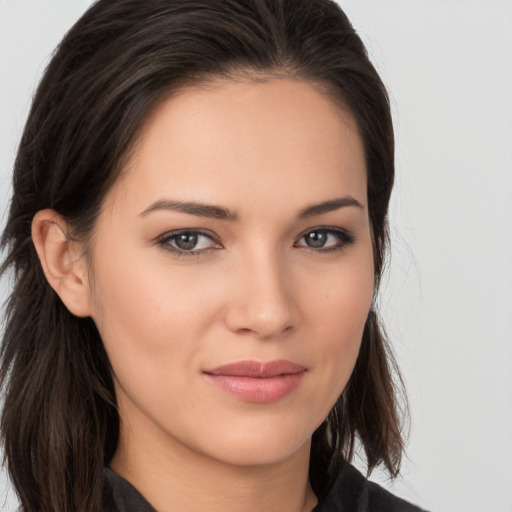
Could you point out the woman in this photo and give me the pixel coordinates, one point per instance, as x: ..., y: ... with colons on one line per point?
x: 197, y: 231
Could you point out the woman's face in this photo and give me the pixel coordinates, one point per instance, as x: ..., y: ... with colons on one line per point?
x: 233, y: 273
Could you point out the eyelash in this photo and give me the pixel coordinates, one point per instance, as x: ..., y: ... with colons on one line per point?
x: 165, y: 242
x: 344, y: 239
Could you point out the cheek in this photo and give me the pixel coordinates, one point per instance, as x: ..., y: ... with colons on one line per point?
x: 149, y: 330
x: 153, y: 317
x: 342, y: 300
x: 337, y: 316
x: 144, y: 295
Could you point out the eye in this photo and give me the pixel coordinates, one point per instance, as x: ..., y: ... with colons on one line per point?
x: 325, y: 239
x: 188, y: 242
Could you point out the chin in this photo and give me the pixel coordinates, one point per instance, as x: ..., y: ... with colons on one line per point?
x: 261, y: 445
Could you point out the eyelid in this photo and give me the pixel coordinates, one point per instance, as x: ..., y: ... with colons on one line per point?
x: 164, y: 241
x: 344, y: 236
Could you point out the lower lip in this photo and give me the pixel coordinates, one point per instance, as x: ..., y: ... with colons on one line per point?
x: 257, y: 390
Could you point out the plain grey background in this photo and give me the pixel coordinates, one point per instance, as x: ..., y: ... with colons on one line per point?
x: 448, y: 295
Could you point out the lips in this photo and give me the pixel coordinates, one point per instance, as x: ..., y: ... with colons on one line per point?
x: 257, y: 382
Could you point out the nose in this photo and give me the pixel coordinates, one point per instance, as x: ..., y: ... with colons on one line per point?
x: 263, y: 303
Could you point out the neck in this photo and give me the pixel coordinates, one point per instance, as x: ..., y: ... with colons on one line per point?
x: 173, y: 477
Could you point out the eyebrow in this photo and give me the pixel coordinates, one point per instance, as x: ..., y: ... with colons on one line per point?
x: 218, y: 212
x: 192, y: 208
x: 329, y: 206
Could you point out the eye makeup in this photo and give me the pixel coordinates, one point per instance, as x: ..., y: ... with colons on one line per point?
x: 194, y: 242
x: 188, y: 242
x: 326, y: 239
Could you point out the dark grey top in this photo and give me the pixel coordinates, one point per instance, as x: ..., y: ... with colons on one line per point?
x: 351, y: 492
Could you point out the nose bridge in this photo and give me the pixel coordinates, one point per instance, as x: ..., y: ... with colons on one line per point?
x: 264, y: 303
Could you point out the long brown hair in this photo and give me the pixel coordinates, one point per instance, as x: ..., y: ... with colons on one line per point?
x: 60, y: 424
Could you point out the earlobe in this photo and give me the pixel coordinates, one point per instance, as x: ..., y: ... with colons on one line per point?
x: 61, y: 261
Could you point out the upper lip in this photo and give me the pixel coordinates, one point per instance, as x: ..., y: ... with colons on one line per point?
x: 257, y: 369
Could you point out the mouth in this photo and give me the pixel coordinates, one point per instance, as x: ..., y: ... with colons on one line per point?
x: 257, y: 382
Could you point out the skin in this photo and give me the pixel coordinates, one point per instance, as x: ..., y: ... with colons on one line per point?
x: 252, y: 290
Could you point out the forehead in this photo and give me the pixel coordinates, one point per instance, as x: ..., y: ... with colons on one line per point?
x: 235, y: 141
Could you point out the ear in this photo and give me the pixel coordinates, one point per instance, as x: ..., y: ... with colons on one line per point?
x: 62, y: 261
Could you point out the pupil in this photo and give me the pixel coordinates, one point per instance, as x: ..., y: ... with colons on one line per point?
x: 186, y: 241
x: 316, y: 238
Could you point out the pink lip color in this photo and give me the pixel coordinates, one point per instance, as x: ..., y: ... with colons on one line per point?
x: 257, y: 382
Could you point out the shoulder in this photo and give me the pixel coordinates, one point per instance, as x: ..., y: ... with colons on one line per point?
x: 352, y: 492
